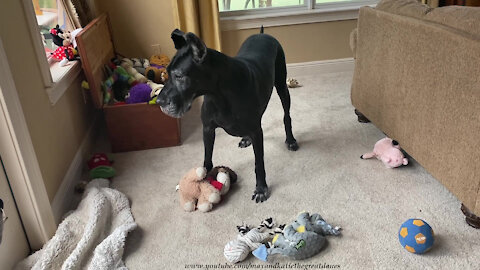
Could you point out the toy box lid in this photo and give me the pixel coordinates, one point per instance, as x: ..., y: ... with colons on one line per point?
x: 95, y: 47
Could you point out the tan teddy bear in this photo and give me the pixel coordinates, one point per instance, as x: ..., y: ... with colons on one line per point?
x: 195, y: 191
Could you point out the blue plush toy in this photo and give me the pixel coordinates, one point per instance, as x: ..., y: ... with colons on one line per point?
x: 416, y: 236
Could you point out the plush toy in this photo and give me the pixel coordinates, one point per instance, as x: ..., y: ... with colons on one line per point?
x: 416, y: 236
x: 67, y: 45
x: 157, y: 71
x: 221, y: 178
x: 139, y: 93
x: 388, y: 151
x: 156, y: 88
x: 247, y: 240
x: 292, y: 83
x: 302, y: 239
x: 100, y: 166
x: 127, y: 64
x: 195, y: 191
x: 140, y: 64
x: 117, y: 84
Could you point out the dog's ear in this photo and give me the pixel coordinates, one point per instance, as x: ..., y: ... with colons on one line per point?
x: 178, y: 38
x: 199, y: 48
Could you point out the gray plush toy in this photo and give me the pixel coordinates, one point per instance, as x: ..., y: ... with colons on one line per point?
x: 302, y: 239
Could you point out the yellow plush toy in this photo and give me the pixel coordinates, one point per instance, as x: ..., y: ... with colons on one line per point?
x: 157, y: 71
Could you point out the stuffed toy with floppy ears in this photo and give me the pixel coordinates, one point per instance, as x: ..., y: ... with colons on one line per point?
x: 67, y: 45
x: 196, y: 192
x: 388, y: 151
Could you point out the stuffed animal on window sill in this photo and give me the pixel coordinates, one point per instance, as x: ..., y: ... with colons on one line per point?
x: 67, y: 45
x: 388, y: 151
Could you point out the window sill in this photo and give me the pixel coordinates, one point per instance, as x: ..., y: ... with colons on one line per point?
x: 324, y: 13
x: 62, y: 78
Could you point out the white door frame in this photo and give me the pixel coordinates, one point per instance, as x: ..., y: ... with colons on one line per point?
x: 21, y: 162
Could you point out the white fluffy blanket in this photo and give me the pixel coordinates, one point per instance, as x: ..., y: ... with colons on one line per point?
x: 92, y: 236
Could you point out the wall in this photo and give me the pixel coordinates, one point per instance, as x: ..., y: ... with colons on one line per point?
x: 56, y: 131
x: 136, y: 25
x: 302, y: 42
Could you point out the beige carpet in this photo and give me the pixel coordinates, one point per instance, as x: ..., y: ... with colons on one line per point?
x: 326, y: 176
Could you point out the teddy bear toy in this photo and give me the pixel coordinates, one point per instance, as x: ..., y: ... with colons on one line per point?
x: 67, y: 46
x: 302, y: 239
x: 196, y: 192
x: 388, y: 151
x: 157, y: 71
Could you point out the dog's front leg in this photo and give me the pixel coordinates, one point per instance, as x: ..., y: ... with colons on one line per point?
x: 261, y: 190
x: 208, y: 142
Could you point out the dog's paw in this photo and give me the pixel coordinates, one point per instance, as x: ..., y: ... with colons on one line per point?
x: 245, y: 142
x: 260, y: 194
x: 292, y: 146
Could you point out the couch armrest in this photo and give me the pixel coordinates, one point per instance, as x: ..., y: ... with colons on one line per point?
x: 353, y: 42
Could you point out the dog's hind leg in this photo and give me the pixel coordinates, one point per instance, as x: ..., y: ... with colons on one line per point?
x: 245, y: 142
x: 282, y: 90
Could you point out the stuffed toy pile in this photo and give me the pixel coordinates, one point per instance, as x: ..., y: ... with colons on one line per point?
x: 134, y: 80
x: 302, y: 239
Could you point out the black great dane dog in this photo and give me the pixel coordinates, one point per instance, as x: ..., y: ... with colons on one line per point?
x: 236, y: 92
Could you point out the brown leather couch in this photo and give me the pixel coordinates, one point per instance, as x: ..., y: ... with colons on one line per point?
x: 417, y: 78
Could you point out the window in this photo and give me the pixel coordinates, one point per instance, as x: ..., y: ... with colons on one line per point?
x: 49, y: 13
x: 43, y: 15
x: 246, y: 14
x: 230, y: 5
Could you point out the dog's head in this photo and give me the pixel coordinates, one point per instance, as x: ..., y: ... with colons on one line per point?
x: 187, y: 76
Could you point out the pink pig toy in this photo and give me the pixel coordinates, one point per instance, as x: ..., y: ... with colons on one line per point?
x: 388, y: 151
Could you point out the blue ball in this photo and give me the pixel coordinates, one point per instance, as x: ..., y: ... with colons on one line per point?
x: 416, y: 236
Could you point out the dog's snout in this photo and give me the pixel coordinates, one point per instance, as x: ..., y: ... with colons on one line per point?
x: 162, y: 101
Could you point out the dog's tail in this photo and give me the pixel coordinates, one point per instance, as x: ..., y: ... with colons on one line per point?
x: 261, y: 29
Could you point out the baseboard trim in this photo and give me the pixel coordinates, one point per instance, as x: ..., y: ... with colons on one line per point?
x: 63, y: 198
x: 320, y: 67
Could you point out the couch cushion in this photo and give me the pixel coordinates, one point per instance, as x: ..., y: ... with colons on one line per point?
x: 466, y: 19
x: 411, y: 8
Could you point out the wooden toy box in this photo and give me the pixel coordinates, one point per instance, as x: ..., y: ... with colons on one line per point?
x: 130, y: 127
